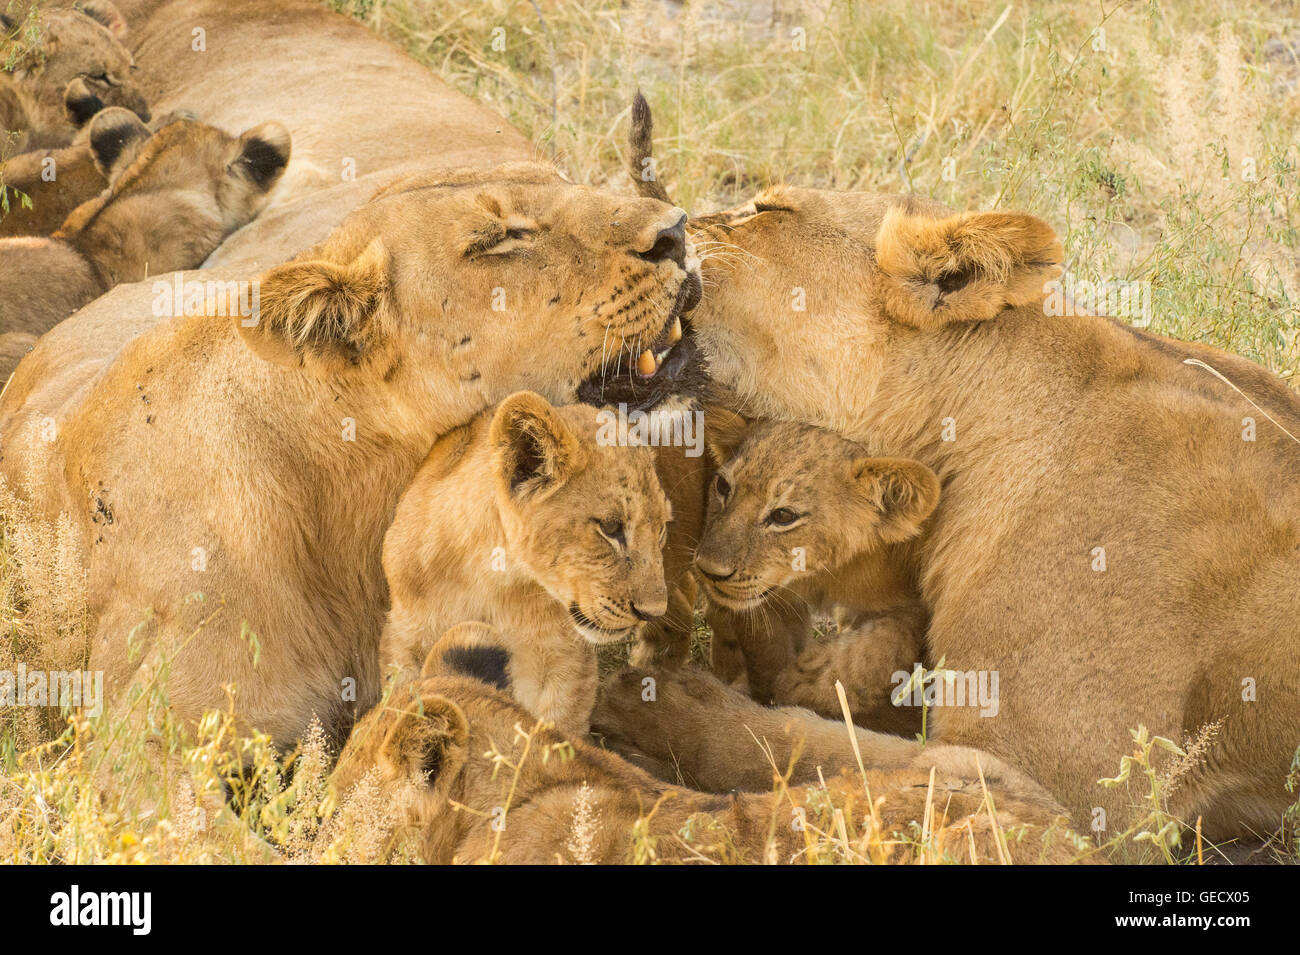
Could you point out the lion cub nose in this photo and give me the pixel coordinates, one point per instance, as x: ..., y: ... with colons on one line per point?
x: 650, y: 610
x: 669, y: 245
x: 713, y: 571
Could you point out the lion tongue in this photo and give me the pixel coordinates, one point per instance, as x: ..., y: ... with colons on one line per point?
x: 646, y: 366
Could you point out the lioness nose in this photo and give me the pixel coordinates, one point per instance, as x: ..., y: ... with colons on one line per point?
x: 713, y: 571
x: 669, y: 245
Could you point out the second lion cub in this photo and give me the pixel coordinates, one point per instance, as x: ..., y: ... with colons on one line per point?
x: 800, y: 516
x: 523, y: 520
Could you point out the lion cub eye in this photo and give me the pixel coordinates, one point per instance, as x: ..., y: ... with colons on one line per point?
x: 782, y: 517
x: 611, y: 528
x: 723, y: 487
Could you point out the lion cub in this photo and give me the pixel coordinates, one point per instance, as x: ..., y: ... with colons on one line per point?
x: 800, y: 515
x: 521, y: 519
x: 173, y: 196
x: 430, y: 755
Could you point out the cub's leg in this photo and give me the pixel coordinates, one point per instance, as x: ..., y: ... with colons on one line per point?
x: 866, y: 659
x: 667, y: 641
x: 720, y: 740
x: 767, y: 641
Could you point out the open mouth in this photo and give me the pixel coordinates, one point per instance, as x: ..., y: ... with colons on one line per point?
x: 669, y: 366
x: 593, y: 632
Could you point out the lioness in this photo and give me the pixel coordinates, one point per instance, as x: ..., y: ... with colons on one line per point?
x: 173, y: 196
x: 523, y: 519
x: 429, y: 753
x: 324, y: 75
x: 1114, y: 520
x: 298, y: 425
x: 82, y: 44
x: 799, y: 515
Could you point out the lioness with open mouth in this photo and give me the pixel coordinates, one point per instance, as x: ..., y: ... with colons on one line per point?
x: 258, y: 458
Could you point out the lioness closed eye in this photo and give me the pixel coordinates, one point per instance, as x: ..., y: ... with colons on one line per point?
x: 798, y: 514
x: 523, y: 520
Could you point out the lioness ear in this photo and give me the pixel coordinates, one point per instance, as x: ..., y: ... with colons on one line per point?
x: 116, y: 135
x: 426, y: 742
x: 261, y: 155
x: 104, y: 13
x: 320, y: 314
x: 473, y: 649
x: 536, y: 452
x: 902, y: 493
x: 965, y: 268
x: 80, y: 102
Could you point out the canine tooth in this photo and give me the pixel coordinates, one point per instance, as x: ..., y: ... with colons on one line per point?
x: 675, y: 333
x: 646, y: 365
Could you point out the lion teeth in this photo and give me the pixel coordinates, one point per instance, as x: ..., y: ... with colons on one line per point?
x: 646, y: 365
x: 675, y: 333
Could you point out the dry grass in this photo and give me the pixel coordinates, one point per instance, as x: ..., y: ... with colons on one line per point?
x: 1157, y: 137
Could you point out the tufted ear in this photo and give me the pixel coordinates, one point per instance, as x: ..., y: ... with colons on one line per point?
x: 724, y: 432
x: 261, y: 155
x: 900, y: 492
x: 472, y: 649
x: 425, y: 741
x: 964, y: 268
x: 80, y: 102
x: 320, y: 314
x: 105, y: 14
x: 116, y: 135
x: 536, y: 452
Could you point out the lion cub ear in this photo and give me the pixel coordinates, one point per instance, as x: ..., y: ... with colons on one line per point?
x: 261, y: 155
x: 116, y: 135
x: 81, y: 103
x: 901, y: 492
x: 318, y: 314
x: 724, y: 433
x: 472, y: 649
x: 536, y: 451
x: 965, y: 268
x: 426, y: 741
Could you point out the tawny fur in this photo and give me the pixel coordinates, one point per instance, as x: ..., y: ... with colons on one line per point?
x: 83, y: 44
x: 428, y: 750
x: 174, y: 196
x: 321, y: 74
x: 467, y: 545
x: 847, y: 547
x: 1053, y: 436
x: 303, y: 432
